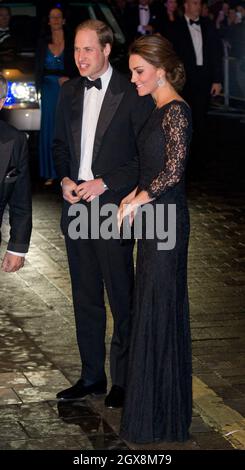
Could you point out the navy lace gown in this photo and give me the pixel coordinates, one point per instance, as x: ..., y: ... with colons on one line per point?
x: 158, y: 402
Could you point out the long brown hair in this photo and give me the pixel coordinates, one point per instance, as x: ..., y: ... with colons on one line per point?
x: 159, y: 52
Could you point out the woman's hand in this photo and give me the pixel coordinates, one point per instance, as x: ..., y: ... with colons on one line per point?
x: 127, y: 209
x: 125, y: 202
x: 62, y: 80
x: 127, y: 199
x: 130, y: 204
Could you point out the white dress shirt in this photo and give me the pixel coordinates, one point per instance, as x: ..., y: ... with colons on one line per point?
x: 196, y: 36
x: 144, y: 16
x: 4, y: 34
x: 93, y: 99
x: 16, y: 253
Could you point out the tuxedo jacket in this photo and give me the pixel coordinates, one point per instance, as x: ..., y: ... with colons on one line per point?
x: 212, y: 51
x: 132, y: 21
x: 15, y: 189
x: 115, y: 153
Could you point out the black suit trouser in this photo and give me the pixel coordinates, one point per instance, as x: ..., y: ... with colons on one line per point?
x: 92, y: 264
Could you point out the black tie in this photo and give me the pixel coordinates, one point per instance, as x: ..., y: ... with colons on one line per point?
x: 144, y: 8
x: 90, y: 83
x: 194, y: 22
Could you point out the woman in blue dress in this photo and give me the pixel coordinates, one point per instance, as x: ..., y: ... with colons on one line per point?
x: 54, y: 65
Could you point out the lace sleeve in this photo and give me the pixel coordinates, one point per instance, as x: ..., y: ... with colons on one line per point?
x: 175, y: 126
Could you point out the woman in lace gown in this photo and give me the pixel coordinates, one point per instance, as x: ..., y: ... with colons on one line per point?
x: 158, y: 401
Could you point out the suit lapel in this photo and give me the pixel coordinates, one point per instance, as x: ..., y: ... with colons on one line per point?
x: 76, y: 116
x: 5, y: 154
x: 112, y: 100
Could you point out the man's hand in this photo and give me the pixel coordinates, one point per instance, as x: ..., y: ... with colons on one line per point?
x: 90, y: 189
x: 62, y: 80
x: 12, y: 263
x: 70, y: 191
x: 216, y: 89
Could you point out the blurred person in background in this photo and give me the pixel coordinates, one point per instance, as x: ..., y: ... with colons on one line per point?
x: 140, y: 19
x: 222, y: 17
x: 15, y: 189
x: 240, y: 9
x: 8, y: 44
x: 205, y: 12
x: 198, y: 46
x: 54, y: 65
x: 235, y: 35
x: 167, y: 17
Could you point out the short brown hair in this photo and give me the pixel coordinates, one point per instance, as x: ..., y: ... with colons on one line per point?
x: 159, y: 52
x: 104, y: 32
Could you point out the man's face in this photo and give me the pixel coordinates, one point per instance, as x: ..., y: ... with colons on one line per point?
x: 192, y: 8
x: 4, y: 18
x: 91, y: 58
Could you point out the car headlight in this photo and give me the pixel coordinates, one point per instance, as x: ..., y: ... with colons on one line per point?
x: 21, y: 92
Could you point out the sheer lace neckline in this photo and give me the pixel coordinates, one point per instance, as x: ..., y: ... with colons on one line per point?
x: 171, y: 102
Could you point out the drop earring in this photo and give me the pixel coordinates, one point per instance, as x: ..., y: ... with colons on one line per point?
x: 161, y: 81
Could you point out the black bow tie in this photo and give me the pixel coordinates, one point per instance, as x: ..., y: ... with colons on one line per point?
x: 144, y: 8
x: 90, y: 83
x: 194, y: 22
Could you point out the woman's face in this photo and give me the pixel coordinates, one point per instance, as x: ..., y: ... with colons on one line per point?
x: 144, y: 75
x: 56, y: 19
x: 171, y: 5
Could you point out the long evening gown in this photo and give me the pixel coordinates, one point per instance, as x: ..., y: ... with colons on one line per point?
x: 158, y: 403
x: 49, y: 97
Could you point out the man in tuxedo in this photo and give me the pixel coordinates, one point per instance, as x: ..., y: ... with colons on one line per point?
x: 8, y: 44
x: 15, y: 190
x: 197, y: 44
x: 140, y: 19
x: 99, y: 116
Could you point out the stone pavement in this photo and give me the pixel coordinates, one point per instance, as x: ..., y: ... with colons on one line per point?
x: 38, y: 352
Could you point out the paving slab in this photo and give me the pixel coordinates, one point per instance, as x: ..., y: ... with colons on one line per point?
x: 39, y: 355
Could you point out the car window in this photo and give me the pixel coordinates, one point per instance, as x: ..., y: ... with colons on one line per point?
x: 75, y: 14
x: 111, y: 20
x: 78, y: 12
x: 24, y: 29
x: 23, y: 25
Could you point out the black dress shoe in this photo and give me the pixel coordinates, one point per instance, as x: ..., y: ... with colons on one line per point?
x: 115, y: 399
x: 79, y: 391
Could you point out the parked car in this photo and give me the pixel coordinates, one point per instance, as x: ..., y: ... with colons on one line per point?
x: 22, y: 106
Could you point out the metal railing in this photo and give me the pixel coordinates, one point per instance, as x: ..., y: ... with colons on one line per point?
x: 233, y: 103
x: 234, y: 77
